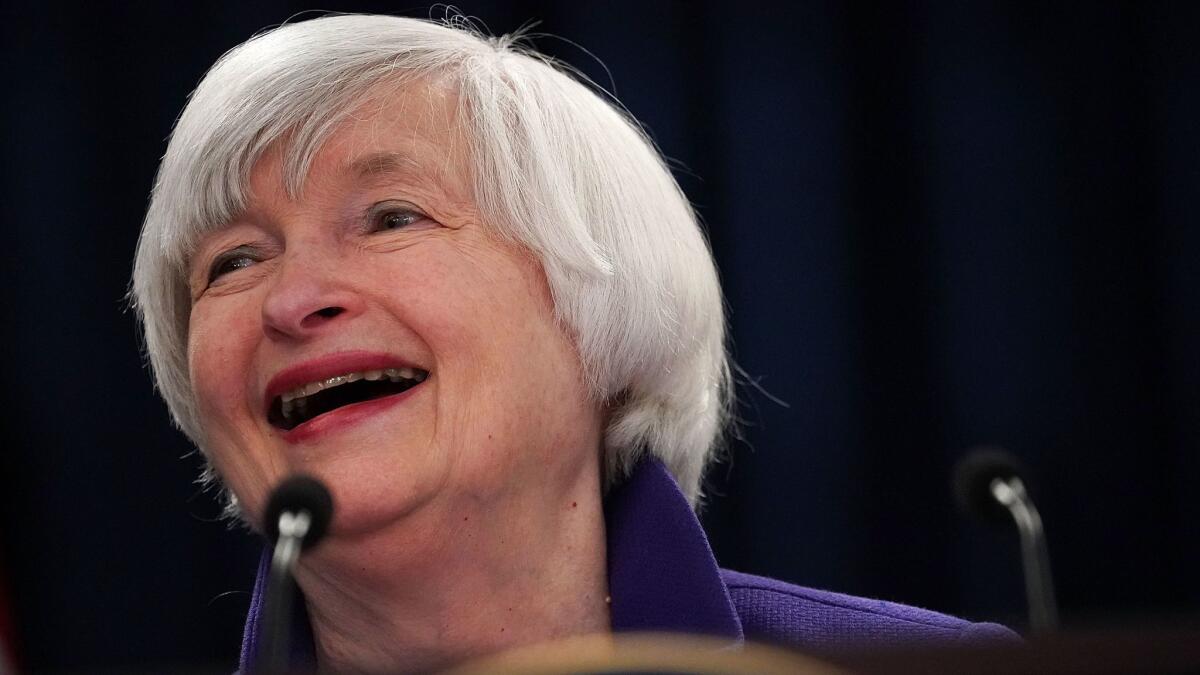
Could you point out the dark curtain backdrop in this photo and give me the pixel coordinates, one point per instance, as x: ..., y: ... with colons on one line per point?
x: 938, y: 225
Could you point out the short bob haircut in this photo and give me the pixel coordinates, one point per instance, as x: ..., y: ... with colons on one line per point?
x: 558, y: 169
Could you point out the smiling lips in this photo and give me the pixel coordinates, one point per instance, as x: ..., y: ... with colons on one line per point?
x: 305, y: 392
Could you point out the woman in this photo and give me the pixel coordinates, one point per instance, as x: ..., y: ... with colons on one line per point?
x: 463, y: 290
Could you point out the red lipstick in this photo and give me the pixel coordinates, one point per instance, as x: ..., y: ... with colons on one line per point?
x: 323, y: 368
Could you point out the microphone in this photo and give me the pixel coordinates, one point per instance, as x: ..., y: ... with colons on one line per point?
x: 296, y: 518
x: 988, y: 485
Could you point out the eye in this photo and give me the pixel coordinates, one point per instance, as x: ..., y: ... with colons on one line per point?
x: 231, y: 261
x: 394, y: 216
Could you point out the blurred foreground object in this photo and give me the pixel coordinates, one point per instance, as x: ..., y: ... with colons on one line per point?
x: 1162, y: 650
x: 649, y: 653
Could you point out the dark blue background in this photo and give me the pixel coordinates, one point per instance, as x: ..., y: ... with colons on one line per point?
x: 938, y: 224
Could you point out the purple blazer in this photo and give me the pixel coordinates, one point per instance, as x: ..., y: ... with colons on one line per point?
x: 662, y: 577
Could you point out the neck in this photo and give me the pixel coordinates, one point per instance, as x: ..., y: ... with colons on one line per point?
x: 450, y: 584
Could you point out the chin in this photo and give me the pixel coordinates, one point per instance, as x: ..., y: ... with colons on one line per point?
x: 370, y: 494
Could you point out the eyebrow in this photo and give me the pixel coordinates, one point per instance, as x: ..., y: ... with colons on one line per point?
x: 379, y: 164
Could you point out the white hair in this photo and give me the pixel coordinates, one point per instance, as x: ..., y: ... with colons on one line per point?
x: 558, y: 168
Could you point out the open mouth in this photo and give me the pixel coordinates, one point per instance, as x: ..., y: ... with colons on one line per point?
x: 295, y: 407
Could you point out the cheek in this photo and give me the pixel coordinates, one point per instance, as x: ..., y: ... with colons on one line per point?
x: 221, y: 342
x: 222, y: 338
x: 481, y: 302
x: 513, y: 382
x: 217, y: 353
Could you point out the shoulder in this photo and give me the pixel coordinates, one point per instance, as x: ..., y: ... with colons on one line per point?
x: 775, y: 611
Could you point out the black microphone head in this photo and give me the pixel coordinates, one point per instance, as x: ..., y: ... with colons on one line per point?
x: 973, y: 476
x: 300, y: 493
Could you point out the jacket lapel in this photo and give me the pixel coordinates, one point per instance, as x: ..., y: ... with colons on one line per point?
x: 662, y: 575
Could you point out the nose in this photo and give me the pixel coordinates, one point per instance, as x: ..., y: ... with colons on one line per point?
x: 307, y: 297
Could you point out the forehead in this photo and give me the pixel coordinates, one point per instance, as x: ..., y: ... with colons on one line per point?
x: 409, y: 133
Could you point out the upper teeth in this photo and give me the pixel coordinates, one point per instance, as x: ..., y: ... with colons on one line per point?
x: 393, y: 374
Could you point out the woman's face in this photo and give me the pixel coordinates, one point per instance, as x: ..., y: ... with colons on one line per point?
x: 375, y: 333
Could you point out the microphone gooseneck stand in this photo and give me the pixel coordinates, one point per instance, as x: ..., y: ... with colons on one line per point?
x: 281, y: 589
x: 296, y: 518
x: 1035, y: 556
x: 989, y: 487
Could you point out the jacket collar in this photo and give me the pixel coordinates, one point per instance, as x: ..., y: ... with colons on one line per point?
x: 662, y: 576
